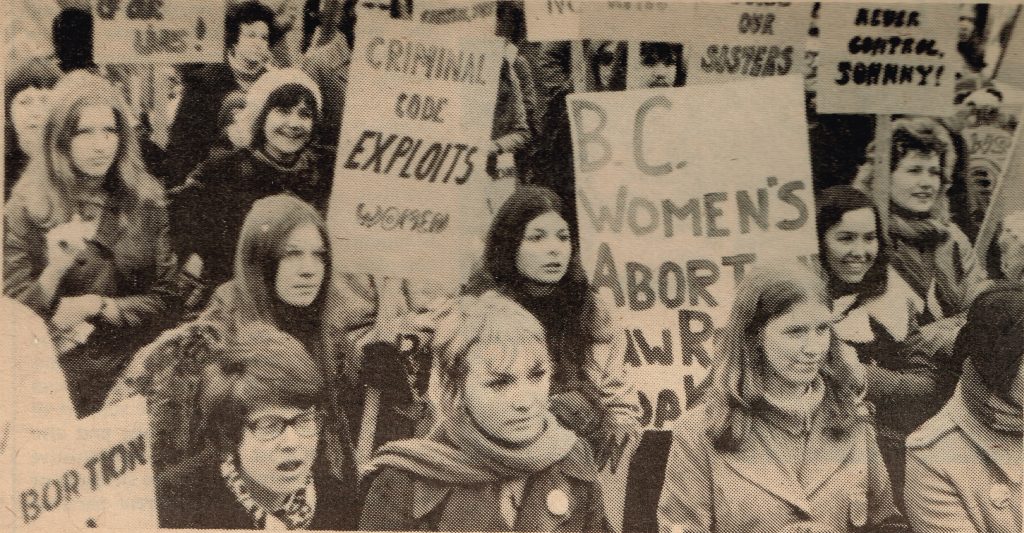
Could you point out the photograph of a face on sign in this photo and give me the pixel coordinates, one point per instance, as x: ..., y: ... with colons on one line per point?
x: 621, y: 65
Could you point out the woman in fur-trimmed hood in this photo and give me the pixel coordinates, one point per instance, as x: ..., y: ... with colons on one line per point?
x: 276, y: 156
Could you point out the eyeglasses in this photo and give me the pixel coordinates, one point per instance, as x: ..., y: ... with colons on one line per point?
x: 271, y: 427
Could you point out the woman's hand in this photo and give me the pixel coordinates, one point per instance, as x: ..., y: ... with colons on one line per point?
x: 74, y: 310
x: 66, y: 241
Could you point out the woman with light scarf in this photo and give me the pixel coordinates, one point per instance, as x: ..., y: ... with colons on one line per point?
x: 497, y: 459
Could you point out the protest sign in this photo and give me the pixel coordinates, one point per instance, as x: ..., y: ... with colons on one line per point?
x: 93, y: 473
x: 661, y: 21
x: 552, y: 20
x: 158, y: 31
x: 729, y: 42
x: 411, y: 185
x: 468, y: 17
x: 668, y: 226
x: 882, y: 59
x: 1007, y: 198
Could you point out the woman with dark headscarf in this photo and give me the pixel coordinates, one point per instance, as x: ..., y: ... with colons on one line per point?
x: 85, y: 239
x: 266, y: 404
x: 531, y: 257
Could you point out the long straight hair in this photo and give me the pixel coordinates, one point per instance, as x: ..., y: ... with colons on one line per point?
x: 740, y: 370
x: 51, y: 181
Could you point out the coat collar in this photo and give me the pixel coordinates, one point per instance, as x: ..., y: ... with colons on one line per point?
x: 1002, y: 449
x: 825, y: 457
x: 577, y: 465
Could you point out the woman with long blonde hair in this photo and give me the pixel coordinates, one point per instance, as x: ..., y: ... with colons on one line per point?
x: 782, y: 442
x: 85, y: 238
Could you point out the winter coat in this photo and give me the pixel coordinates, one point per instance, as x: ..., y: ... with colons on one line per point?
x: 207, y: 213
x: 843, y: 484
x: 963, y: 476
x: 194, y: 128
x: 193, y: 495
x: 129, y: 260
x: 564, y: 497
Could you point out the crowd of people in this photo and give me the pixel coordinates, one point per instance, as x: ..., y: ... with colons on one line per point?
x: 876, y: 390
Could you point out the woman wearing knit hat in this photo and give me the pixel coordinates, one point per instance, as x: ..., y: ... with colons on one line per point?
x: 264, y: 400
x: 964, y: 465
x: 274, y: 131
x: 497, y: 459
x: 928, y: 251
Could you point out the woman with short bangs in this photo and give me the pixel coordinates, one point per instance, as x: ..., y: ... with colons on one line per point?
x: 781, y: 441
x: 26, y: 93
x: 265, y: 402
x: 497, y: 459
x: 85, y: 239
x: 275, y: 129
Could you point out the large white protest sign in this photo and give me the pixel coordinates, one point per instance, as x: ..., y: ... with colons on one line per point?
x: 158, y: 31
x: 734, y: 41
x: 552, y: 20
x: 661, y: 21
x: 411, y: 186
x: 94, y: 473
x: 674, y: 205
x: 887, y: 59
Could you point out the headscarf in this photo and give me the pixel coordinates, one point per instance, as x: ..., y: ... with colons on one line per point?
x: 256, y: 98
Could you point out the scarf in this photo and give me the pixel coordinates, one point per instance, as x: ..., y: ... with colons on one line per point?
x: 922, y: 234
x: 245, y: 74
x: 296, y: 513
x: 460, y: 454
x: 991, y: 409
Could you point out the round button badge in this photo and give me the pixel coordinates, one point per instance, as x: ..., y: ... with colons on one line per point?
x: 558, y: 502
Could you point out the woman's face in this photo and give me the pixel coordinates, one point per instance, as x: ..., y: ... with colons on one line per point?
x: 288, y: 130
x: 545, y: 250
x: 917, y: 181
x: 303, y: 265
x: 95, y: 142
x: 28, y: 114
x: 851, y: 245
x: 796, y: 343
x: 509, y: 404
x: 278, y: 446
x: 253, y: 44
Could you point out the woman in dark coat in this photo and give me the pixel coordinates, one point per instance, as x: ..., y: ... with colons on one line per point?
x: 275, y: 128
x: 265, y: 402
x: 26, y: 93
x: 497, y: 459
x: 85, y: 239
x: 531, y: 258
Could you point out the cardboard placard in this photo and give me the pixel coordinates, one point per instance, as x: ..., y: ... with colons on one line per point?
x: 158, y: 31
x: 730, y: 42
x: 673, y: 207
x: 666, y: 226
x: 887, y: 59
x: 93, y: 473
x: 411, y: 185
x: 661, y: 21
x: 467, y: 17
x: 552, y: 20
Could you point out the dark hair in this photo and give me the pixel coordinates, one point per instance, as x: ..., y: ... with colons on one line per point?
x: 72, y: 39
x: 249, y: 13
x: 611, y: 53
x: 261, y: 366
x: 286, y: 96
x: 918, y: 135
x: 234, y: 101
x: 668, y: 53
x: 833, y: 204
x: 34, y: 72
x: 567, y: 313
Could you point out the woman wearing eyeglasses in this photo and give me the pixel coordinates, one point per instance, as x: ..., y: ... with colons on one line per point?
x: 264, y: 404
